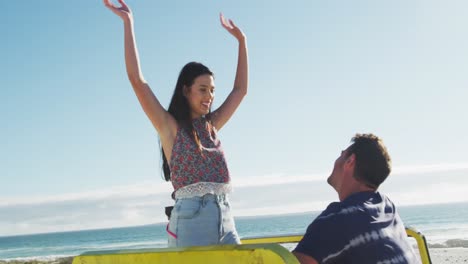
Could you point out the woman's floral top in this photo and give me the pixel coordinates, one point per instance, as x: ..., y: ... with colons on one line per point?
x: 194, y: 173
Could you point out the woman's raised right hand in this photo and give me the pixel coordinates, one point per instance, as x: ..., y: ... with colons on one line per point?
x: 123, y: 11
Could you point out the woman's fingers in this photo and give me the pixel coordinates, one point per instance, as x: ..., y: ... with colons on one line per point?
x: 122, y: 11
x: 223, y: 21
x: 228, y: 24
x: 232, y: 23
x: 108, y: 3
x: 124, y: 5
x: 111, y: 6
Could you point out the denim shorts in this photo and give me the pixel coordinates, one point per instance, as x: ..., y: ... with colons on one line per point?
x: 200, y: 221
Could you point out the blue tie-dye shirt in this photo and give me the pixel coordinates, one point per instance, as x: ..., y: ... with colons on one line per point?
x: 364, y: 228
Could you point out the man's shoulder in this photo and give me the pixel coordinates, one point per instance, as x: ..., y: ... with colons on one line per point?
x: 344, y: 209
x: 333, y: 210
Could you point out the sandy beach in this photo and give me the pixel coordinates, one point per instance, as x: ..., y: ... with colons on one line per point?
x: 449, y: 255
x: 68, y: 260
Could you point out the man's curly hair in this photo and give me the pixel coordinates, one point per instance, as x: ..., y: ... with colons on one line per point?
x: 373, y: 163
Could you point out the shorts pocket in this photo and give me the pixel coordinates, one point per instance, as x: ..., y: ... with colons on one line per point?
x: 187, y: 209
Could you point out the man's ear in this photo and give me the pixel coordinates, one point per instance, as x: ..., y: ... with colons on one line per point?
x: 351, y: 161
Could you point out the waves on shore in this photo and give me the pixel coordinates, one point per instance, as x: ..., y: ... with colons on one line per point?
x: 451, y: 243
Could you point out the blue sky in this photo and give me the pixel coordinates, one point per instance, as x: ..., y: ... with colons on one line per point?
x: 76, y: 143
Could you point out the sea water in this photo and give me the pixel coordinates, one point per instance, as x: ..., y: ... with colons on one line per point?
x: 444, y: 225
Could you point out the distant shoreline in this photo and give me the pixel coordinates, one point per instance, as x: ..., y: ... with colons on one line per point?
x: 443, y: 227
x: 409, y: 206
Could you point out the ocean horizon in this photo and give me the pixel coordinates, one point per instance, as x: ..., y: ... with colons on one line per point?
x: 443, y: 225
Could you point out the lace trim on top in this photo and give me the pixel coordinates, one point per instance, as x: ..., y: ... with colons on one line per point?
x: 202, y: 188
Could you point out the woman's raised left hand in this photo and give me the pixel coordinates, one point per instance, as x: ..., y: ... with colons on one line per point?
x: 229, y: 25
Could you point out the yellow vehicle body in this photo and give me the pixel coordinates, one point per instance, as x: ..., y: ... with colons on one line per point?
x: 253, y: 250
x: 232, y: 254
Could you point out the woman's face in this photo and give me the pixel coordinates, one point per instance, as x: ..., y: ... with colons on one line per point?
x: 200, y: 95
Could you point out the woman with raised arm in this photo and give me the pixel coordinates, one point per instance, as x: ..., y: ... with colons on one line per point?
x: 193, y: 159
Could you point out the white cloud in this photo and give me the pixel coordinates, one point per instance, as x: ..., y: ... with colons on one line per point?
x: 431, y: 194
x: 431, y: 168
x: 275, y: 179
x: 140, y: 189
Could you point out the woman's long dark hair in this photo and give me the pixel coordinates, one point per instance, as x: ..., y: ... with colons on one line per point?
x: 179, y: 107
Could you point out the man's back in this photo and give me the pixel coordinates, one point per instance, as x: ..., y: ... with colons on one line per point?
x: 364, y: 228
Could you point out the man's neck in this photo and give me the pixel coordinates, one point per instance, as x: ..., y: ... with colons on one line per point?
x: 356, y: 188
